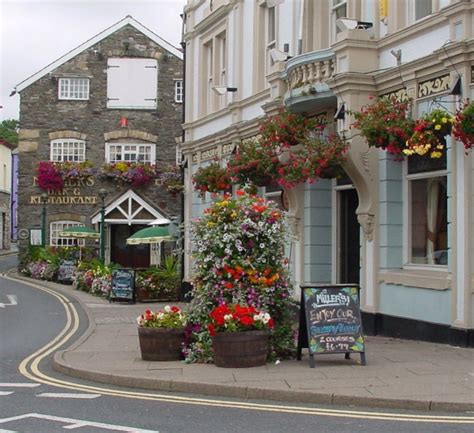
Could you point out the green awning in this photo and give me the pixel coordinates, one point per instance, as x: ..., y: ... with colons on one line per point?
x: 150, y: 235
x: 79, y: 232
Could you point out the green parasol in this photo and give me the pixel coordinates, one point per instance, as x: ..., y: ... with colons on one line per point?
x: 150, y: 235
x: 79, y: 232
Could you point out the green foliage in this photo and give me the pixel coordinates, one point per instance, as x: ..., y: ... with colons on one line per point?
x: 9, y: 130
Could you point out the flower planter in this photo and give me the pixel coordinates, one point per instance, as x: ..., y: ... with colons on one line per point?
x: 240, y: 349
x: 161, y: 344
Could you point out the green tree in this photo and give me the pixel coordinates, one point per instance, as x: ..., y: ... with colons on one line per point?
x: 9, y: 130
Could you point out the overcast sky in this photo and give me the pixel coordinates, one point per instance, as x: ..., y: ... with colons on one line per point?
x: 34, y: 33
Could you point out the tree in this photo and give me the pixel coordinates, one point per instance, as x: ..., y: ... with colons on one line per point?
x: 9, y: 130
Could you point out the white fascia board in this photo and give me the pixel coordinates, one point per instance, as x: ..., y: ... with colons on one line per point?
x: 122, y: 198
x: 128, y: 20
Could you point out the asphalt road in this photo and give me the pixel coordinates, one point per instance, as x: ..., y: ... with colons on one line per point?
x: 31, y: 318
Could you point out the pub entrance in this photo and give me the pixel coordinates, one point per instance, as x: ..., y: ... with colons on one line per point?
x: 128, y: 256
x: 349, y: 237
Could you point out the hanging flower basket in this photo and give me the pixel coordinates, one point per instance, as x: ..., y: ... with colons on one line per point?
x: 253, y: 164
x: 385, y: 124
x: 429, y: 133
x: 170, y: 179
x: 212, y: 178
x: 463, y: 125
x: 287, y: 129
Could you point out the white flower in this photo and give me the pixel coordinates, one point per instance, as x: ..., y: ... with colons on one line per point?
x: 228, y: 317
x: 167, y: 309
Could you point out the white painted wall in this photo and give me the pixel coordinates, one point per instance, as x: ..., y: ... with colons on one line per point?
x: 5, y: 169
x: 415, y: 48
x: 247, y: 40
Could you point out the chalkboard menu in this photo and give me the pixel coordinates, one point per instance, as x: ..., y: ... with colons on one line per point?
x: 66, y: 271
x: 123, y: 285
x: 330, y: 321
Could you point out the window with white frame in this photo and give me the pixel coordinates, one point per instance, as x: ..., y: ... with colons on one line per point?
x: 73, y: 88
x: 339, y: 10
x: 57, y: 240
x: 68, y: 149
x: 132, y: 83
x: 178, y: 91
x: 209, y: 74
x: 271, y: 33
x: 130, y: 152
x: 423, y: 8
x: 427, y: 206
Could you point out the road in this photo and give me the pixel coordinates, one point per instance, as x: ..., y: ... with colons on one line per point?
x: 34, y: 399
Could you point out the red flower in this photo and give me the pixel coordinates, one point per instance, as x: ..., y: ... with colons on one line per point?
x: 211, y: 329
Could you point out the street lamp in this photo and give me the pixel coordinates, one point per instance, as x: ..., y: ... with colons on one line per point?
x: 44, y: 200
x: 102, y: 195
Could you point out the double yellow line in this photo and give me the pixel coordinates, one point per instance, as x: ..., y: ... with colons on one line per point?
x: 29, y: 368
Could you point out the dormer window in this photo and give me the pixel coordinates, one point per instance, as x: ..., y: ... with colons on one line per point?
x: 73, y: 89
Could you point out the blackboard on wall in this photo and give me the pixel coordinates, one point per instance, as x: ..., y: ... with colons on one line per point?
x: 330, y: 321
x: 123, y: 285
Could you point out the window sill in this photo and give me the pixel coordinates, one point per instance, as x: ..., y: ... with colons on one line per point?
x: 420, y: 278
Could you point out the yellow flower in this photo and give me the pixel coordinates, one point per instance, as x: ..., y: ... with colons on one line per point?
x: 437, y: 127
x: 233, y: 215
x: 121, y: 166
x: 408, y: 152
x: 436, y: 154
x: 211, y: 224
x: 444, y: 120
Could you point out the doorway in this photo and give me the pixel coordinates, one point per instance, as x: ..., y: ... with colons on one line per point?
x: 128, y: 256
x: 349, y: 237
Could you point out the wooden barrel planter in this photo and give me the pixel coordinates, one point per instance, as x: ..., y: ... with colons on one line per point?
x: 161, y: 344
x: 240, y: 349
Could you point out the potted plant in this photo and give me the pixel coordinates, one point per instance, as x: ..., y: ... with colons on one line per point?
x: 385, y: 124
x: 239, y: 252
x: 428, y: 135
x: 463, y: 125
x: 240, y: 335
x: 133, y: 173
x: 212, y: 178
x: 161, y: 334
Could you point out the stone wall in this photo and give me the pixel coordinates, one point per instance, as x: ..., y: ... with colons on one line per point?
x: 43, y: 117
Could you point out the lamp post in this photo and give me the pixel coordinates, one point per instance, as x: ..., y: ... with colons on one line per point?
x: 102, y: 194
x: 44, y: 200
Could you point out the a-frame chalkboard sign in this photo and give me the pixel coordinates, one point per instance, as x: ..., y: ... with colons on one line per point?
x: 330, y: 321
x: 123, y: 286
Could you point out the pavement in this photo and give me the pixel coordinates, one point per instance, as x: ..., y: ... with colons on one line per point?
x: 400, y: 374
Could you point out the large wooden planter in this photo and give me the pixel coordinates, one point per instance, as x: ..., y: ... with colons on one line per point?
x: 161, y: 344
x: 240, y: 349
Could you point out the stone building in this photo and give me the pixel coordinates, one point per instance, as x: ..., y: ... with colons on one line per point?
x: 6, y: 149
x: 245, y: 59
x: 115, y: 98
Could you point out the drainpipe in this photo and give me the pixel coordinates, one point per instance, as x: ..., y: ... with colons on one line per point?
x: 185, y: 287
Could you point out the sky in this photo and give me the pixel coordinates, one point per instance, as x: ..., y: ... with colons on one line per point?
x: 34, y: 33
